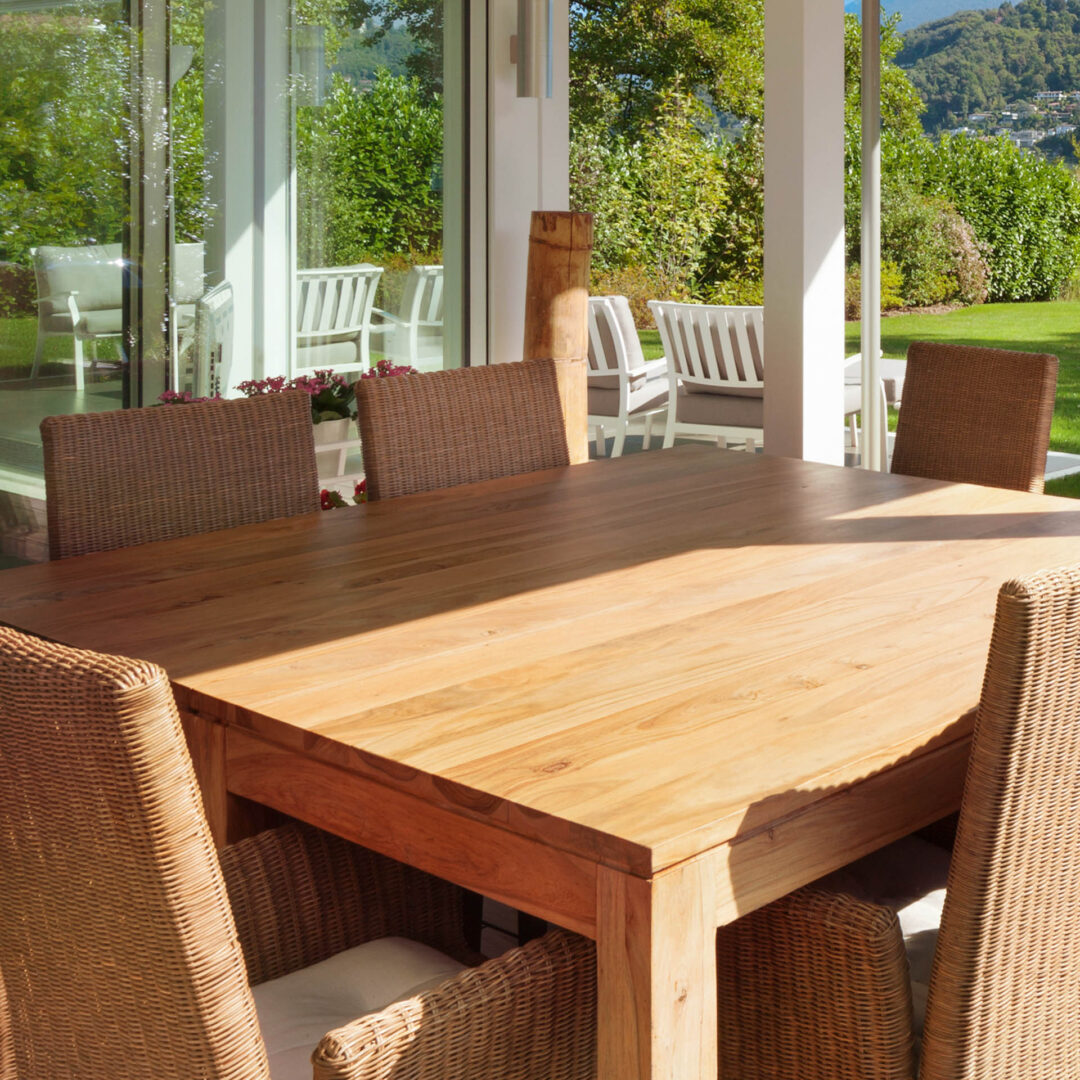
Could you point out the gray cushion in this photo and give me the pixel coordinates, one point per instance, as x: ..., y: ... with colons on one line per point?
x: 646, y: 394
x: 95, y: 272
x: 910, y: 877
x: 726, y: 410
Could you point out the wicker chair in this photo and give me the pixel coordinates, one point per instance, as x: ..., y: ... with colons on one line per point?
x: 128, y: 950
x: 976, y: 416
x: 444, y: 428
x: 116, y: 479
x: 816, y: 986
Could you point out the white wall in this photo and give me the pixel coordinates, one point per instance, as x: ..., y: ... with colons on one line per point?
x: 528, y: 169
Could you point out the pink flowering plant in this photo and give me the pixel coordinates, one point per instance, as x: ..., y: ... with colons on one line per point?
x: 332, y: 396
x: 385, y: 369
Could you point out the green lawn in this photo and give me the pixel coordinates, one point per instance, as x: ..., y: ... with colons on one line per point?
x: 18, y: 337
x: 1050, y: 327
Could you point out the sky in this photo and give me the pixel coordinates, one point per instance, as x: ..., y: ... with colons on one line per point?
x: 915, y: 12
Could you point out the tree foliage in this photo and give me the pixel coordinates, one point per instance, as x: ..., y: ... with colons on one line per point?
x: 626, y: 54
x: 1024, y: 209
x: 368, y: 167
x: 983, y: 60
x: 63, y: 133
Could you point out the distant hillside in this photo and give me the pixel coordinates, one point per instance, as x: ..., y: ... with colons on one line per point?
x: 983, y: 60
x: 916, y: 12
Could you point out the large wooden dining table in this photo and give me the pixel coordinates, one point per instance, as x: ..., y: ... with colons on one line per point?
x: 636, y: 697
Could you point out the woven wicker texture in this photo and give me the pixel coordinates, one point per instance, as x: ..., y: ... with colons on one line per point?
x: 530, y: 1015
x: 814, y: 987
x: 116, y: 479
x: 1005, y: 988
x: 437, y: 430
x: 117, y: 945
x: 300, y: 895
x: 976, y: 416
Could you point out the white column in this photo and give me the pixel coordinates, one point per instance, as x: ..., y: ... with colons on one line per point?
x: 273, y: 250
x: 229, y: 97
x: 528, y: 169
x: 870, y: 260
x: 804, y: 229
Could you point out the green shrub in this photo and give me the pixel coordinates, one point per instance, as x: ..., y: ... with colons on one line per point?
x: 639, y: 284
x: 933, y: 248
x: 892, y: 297
x: 369, y: 172
x: 657, y: 200
x: 1024, y: 210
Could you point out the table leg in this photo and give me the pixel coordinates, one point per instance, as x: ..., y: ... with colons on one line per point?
x: 656, y: 957
x: 206, y: 744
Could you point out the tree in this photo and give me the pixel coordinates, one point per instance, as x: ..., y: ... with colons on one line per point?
x: 368, y: 167
x: 626, y: 54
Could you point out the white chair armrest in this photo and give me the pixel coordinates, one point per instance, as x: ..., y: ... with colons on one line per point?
x: 388, y: 319
x: 58, y: 298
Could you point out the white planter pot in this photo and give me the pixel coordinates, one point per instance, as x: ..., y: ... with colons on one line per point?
x: 331, y: 462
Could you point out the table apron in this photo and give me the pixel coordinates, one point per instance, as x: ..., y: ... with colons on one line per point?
x: 516, y: 870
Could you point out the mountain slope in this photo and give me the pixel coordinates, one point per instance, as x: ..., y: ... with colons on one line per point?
x: 982, y: 60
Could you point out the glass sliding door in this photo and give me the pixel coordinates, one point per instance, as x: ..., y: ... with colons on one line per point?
x: 64, y: 137
x: 195, y: 193
x: 379, y: 135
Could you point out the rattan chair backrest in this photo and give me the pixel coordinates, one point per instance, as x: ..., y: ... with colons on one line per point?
x: 976, y: 416
x: 1004, y: 995
x: 444, y: 428
x: 117, y: 945
x: 116, y: 479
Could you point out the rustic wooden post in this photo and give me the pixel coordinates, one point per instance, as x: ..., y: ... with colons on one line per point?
x: 557, y: 312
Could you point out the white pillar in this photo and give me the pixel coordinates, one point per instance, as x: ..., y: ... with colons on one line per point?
x: 229, y: 97
x: 528, y: 169
x: 870, y: 260
x: 804, y: 229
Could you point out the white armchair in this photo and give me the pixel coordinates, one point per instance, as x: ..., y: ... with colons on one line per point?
x: 414, y: 336
x: 333, y: 318
x: 624, y: 388
x: 80, y: 293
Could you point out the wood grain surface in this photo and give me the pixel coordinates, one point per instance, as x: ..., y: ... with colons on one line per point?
x: 633, y: 660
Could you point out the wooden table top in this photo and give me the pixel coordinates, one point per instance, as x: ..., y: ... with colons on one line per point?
x: 637, y: 659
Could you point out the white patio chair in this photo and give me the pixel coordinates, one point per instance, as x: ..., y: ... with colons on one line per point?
x: 188, y: 284
x: 892, y: 371
x: 80, y: 293
x: 715, y: 371
x: 213, y: 341
x: 624, y: 387
x: 333, y: 318
x: 415, y: 335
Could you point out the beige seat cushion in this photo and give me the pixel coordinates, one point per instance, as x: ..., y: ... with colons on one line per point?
x: 910, y: 877
x: 298, y: 1009
x: 95, y: 272
x: 333, y: 353
x: 645, y: 394
x: 721, y: 410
